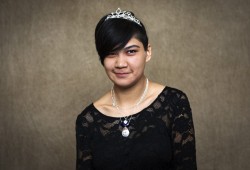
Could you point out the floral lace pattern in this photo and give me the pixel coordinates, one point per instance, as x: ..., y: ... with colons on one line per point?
x: 161, y: 137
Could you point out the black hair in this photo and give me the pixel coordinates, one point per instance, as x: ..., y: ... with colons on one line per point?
x: 113, y: 34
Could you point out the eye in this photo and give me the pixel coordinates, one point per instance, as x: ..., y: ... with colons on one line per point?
x: 131, y: 52
x: 112, y: 54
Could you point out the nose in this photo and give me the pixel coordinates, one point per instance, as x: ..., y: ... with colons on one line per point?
x: 120, y: 61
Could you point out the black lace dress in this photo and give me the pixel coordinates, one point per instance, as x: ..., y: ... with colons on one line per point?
x: 161, y: 137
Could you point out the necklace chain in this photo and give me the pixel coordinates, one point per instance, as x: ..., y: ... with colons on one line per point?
x: 114, y: 102
x: 125, y: 123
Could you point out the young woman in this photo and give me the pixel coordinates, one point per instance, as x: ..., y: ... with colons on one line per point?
x: 138, y: 124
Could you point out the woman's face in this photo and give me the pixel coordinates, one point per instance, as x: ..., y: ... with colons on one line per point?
x: 126, y: 67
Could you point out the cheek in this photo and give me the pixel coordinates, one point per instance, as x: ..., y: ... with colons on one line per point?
x: 139, y: 62
x: 107, y: 64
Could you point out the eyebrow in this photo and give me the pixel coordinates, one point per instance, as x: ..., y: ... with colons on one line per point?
x: 131, y: 46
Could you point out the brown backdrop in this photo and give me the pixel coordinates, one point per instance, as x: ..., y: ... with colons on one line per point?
x: 50, y: 71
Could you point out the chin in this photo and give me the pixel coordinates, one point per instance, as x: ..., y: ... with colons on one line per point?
x: 126, y: 83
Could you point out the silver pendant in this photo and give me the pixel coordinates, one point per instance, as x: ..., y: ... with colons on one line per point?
x: 125, y: 132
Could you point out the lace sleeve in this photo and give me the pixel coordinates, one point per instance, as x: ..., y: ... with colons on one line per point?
x: 83, y: 151
x: 183, y: 135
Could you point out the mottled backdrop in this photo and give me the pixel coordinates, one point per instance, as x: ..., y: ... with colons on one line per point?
x: 50, y: 71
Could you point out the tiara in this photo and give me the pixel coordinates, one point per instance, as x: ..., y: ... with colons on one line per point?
x: 124, y: 15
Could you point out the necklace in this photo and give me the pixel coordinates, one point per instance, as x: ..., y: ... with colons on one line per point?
x: 114, y: 103
x: 125, y: 121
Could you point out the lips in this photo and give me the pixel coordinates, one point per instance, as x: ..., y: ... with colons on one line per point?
x: 121, y: 74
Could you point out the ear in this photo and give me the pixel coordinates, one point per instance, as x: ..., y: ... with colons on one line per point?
x: 148, y: 52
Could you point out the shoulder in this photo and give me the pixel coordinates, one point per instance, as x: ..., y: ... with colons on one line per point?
x: 86, y: 115
x: 173, y: 92
x: 174, y: 96
x: 85, y: 121
x: 93, y: 110
x: 167, y: 93
x: 167, y: 90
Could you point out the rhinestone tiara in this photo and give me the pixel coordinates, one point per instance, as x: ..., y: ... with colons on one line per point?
x: 124, y: 15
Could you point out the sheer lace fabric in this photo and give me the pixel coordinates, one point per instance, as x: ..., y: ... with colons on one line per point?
x: 161, y: 137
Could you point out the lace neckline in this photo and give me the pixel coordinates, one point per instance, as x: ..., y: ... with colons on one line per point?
x: 134, y: 114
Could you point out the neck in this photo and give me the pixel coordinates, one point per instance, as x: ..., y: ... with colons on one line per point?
x: 131, y: 96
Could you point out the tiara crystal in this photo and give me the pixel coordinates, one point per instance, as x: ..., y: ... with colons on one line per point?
x: 124, y: 15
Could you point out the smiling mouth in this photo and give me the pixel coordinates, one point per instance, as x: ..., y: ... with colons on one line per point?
x: 121, y: 74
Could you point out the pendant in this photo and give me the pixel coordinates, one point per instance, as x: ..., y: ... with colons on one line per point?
x: 125, y: 123
x: 125, y: 132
